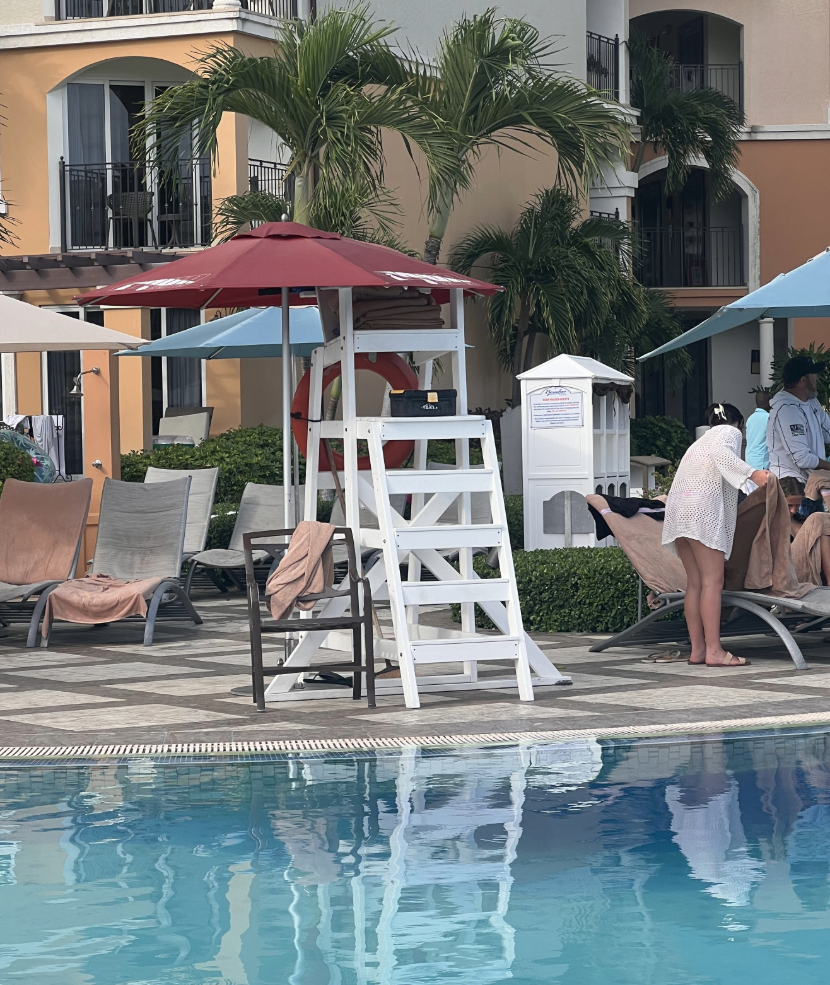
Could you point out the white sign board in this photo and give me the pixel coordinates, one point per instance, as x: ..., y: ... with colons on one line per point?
x: 556, y: 407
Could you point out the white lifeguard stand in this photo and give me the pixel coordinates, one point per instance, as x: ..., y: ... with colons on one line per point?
x: 422, y: 541
x: 575, y: 439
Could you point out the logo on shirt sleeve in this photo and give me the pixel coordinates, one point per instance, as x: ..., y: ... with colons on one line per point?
x: 798, y: 429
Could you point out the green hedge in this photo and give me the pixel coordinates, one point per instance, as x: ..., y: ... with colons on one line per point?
x: 514, y: 508
x: 15, y: 464
x: 570, y: 590
x: 663, y: 436
x: 242, y: 455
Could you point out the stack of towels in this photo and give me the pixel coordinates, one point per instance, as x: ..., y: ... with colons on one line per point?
x: 395, y: 308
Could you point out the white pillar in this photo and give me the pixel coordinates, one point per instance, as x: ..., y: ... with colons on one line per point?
x: 9, y: 375
x: 767, y: 346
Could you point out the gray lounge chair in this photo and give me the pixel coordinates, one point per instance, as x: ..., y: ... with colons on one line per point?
x: 199, y: 504
x: 184, y: 429
x: 141, y: 533
x: 41, y: 532
x: 261, y: 508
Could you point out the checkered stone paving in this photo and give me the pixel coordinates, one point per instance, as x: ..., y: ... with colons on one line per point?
x: 99, y: 685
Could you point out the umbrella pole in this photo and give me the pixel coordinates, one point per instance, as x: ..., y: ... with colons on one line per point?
x: 286, y: 408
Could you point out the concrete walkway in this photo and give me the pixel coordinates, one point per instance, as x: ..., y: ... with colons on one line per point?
x: 101, y: 686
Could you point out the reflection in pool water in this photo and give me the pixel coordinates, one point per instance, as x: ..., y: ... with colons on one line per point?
x: 680, y: 863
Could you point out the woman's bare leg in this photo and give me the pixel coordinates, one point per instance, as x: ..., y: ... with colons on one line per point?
x: 710, y: 564
x: 694, y: 622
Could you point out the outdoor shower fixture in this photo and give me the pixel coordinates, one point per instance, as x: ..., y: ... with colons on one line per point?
x: 76, y: 390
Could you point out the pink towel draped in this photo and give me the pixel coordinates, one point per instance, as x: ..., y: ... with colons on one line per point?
x: 306, y: 568
x: 98, y: 598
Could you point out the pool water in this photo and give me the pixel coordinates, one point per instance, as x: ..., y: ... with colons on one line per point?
x: 580, y: 864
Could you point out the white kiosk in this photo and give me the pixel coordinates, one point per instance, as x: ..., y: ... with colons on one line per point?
x: 575, y: 439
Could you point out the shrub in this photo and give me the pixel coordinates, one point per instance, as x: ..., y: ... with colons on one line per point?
x: 242, y: 455
x: 444, y: 452
x: 663, y: 436
x: 514, y: 507
x: 221, y: 526
x: 570, y: 590
x: 15, y: 464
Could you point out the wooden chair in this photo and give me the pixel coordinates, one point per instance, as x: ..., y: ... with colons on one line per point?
x: 358, y: 619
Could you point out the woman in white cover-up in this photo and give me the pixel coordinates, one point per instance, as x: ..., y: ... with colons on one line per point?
x: 699, y: 527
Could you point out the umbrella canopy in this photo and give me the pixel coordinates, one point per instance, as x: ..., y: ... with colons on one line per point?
x: 245, y: 335
x: 27, y: 328
x: 801, y: 293
x: 251, y: 269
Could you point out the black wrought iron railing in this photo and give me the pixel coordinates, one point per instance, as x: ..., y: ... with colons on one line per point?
x: 691, y: 257
x: 67, y: 10
x: 124, y: 206
x: 727, y: 79
x: 266, y: 176
x: 603, y: 64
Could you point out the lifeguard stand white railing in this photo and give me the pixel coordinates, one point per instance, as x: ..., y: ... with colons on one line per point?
x: 422, y: 541
x: 575, y: 439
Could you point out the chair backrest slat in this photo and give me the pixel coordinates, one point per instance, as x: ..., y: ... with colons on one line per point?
x: 261, y: 508
x: 199, y: 505
x: 141, y: 529
x: 194, y: 426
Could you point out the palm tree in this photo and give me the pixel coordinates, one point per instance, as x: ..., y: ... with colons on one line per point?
x: 564, y: 278
x: 328, y: 91
x: 492, y: 85
x: 351, y: 207
x: 682, y: 123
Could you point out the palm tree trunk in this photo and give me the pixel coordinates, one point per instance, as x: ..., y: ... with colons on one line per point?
x: 302, y: 196
x: 531, y: 345
x: 521, y: 330
x: 437, y: 229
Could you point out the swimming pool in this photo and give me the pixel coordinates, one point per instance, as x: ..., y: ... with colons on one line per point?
x: 584, y: 864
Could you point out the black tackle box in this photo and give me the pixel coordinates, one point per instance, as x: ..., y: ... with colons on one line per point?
x: 422, y: 403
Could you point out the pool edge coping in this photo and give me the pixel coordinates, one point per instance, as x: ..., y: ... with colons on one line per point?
x: 229, y: 748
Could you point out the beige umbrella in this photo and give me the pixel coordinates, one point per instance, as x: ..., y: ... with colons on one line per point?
x: 27, y: 328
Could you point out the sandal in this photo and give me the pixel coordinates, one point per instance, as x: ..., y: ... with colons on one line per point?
x: 733, y: 661
x: 662, y: 657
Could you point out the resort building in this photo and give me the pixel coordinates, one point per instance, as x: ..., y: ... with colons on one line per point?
x: 74, y: 74
x: 774, y: 60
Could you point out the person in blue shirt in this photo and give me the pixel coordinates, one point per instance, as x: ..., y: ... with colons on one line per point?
x: 757, y: 453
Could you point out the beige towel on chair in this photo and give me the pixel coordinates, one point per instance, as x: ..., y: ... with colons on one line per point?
x: 98, y: 599
x: 306, y: 568
x: 761, y: 559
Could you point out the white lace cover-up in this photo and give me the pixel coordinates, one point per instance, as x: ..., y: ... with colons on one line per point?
x: 703, y: 499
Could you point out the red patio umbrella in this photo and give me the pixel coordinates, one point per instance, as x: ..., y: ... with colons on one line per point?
x: 251, y: 270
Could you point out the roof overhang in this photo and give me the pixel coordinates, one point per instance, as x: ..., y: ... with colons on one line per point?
x: 78, y: 270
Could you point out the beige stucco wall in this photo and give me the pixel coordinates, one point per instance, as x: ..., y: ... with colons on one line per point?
x: 786, y: 55
x: 21, y: 12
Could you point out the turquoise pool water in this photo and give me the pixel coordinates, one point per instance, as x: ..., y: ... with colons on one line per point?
x: 672, y: 864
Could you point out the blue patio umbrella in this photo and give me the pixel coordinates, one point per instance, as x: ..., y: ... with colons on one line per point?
x: 801, y: 293
x: 250, y: 334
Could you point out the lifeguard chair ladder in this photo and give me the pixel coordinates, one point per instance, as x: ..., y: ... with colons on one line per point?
x: 422, y: 539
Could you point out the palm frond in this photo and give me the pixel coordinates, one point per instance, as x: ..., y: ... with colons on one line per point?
x: 239, y: 212
x: 684, y: 123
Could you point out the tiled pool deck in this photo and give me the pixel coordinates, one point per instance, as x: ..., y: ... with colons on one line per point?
x: 101, y: 686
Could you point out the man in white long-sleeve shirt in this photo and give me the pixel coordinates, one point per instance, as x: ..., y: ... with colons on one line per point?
x: 799, y: 427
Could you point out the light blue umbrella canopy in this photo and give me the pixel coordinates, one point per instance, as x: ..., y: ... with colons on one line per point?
x: 249, y: 334
x: 801, y: 293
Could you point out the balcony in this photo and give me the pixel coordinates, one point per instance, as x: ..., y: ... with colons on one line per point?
x: 603, y: 65
x: 123, y: 206
x: 67, y: 10
x: 700, y: 257
x: 266, y: 176
x: 727, y: 79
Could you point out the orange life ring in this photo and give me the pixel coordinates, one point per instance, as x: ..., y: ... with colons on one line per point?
x: 397, y: 373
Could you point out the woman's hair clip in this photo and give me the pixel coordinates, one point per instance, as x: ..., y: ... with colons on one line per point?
x: 720, y: 412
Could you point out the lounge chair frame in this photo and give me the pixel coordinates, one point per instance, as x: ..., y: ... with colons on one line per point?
x: 753, y: 603
x: 359, y: 620
x: 135, y: 561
